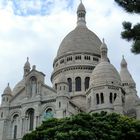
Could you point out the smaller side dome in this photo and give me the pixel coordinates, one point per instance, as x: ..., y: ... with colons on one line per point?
x: 7, y: 90
x: 105, y: 73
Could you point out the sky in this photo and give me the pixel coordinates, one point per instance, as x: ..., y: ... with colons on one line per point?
x: 35, y: 29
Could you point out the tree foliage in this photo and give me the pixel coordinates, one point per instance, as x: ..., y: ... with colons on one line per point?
x: 96, y: 126
x: 131, y: 33
x: 131, y: 6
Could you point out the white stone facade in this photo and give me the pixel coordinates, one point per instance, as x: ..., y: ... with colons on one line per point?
x: 83, y: 81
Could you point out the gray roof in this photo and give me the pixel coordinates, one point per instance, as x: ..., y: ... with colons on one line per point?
x: 104, y: 74
x: 81, y: 39
x: 125, y: 74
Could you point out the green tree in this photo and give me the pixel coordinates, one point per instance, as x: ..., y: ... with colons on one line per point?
x: 96, y: 126
x: 131, y: 33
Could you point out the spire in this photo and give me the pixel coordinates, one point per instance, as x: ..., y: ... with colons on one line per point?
x: 27, y: 67
x: 123, y: 63
x: 104, y: 50
x: 7, y: 90
x: 125, y: 74
x: 81, y: 13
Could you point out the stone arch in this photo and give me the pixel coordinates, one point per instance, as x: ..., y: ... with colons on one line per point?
x: 15, y: 124
x: 48, y: 111
x: 30, y: 113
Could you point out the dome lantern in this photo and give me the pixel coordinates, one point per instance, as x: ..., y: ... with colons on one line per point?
x: 27, y: 67
x: 81, y: 15
x: 104, y: 50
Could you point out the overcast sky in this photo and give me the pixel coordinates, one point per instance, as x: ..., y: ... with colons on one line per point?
x: 35, y: 29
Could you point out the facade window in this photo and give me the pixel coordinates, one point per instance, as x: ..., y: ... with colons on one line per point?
x: 30, y: 115
x: 49, y: 113
x: 87, y: 57
x: 69, y: 58
x: 102, y: 98
x: 70, y: 84
x: 56, y: 64
x: 56, y: 86
x: 87, y: 79
x: 115, y: 96
x: 78, y: 57
x: 77, y: 84
x: 61, y: 61
x: 1, y: 114
x: 59, y: 104
x: 33, y: 85
x: 15, y: 132
x: 111, y: 98
x: 97, y: 98
x: 15, y: 125
x: 95, y: 59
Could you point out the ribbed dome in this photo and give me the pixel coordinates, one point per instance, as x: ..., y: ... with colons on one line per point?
x: 20, y: 85
x: 105, y: 73
x: 81, y: 39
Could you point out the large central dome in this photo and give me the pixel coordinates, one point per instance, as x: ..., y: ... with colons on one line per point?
x: 81, y: 39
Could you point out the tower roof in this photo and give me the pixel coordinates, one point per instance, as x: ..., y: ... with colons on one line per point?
x: 81, y: 7
x: 7, y: 90
x: 81, y: 39
x: 27, y: 64
x: 104, y: 73
x: 125, y: 74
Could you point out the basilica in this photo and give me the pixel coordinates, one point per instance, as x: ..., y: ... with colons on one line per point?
x: 83, y: 80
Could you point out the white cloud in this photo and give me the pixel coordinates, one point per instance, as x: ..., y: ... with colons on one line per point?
x: 39, y: 37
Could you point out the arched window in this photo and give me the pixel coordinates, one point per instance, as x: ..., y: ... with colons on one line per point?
x: 115, y: 96
x: 77, y: 84
x: 102, y: 98
x: 70, y: 84
x: 15, y: 131
x: 111, y: 98
x: 1, y: 114
x: 56, y: 86
x: 59, y: 104
x: 30, y: 115
x: 97, y: 98
x: 87, y: 83
x: 15, y: 125
x: 33, y: 85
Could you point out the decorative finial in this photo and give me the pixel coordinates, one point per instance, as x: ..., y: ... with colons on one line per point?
x: 27, y: 58
x: 103, y: 40
x: 81, y: 1
x: 8, y: 84
x: 123, y: 56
